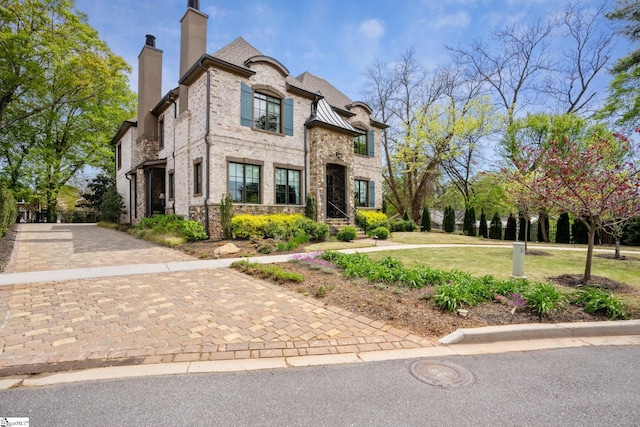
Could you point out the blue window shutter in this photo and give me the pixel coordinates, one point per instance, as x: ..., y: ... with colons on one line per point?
x: 370, y: 143
x: 372, y: 194
x: 246, y: 105
x: 288, y: 116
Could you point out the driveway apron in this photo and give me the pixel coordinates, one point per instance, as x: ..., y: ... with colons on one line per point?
x: 199, y: 315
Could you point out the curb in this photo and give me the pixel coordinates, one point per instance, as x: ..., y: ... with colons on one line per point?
x: 491, y: 334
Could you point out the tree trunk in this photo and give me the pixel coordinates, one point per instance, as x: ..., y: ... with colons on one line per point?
x: 617, y: 252
x: 587, y: 269
x: 542, y: 222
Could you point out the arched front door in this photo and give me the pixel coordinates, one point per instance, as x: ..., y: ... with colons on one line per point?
x: 336, y: 201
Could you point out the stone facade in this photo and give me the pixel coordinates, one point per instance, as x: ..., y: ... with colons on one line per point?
x: 210, y: 131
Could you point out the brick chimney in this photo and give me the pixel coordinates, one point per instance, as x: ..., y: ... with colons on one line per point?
x: 193, y: 44
x: 149, y: 88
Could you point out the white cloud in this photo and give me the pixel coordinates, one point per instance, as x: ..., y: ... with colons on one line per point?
x: 456, y: 20
x: 372, y: 28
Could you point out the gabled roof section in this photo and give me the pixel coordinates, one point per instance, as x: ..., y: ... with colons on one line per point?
x: 323, y: 115
x: 313, y: 83
x: 124, y: 127
x: 237, y: 52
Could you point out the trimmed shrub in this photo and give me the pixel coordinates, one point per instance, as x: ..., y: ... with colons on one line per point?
x: 347, y: 234
x: 511, y: 231
x: 495, y: 231
x: 310, y: 207
x: 381, y: 233
x: 563, y: 230
x: 246, y: 225
x: 369, y: 220
x: 469, y: 227
x: 426, y: 220
x: 483, y: 230
x: 226, y: 214
x: 317, y: 231
x: 401, y: 225
x: 449, y: 220
x: 171, y: 224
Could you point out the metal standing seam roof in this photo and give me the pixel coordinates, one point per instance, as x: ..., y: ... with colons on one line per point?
x: 325, y: 114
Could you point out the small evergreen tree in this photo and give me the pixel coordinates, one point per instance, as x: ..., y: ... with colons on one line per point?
x: 510, y: 232
x: 111, y: 206
x: 482, y: 230
x: 495, y: 230
x: 563, y: 230
x: 405, y: 216
x: 466, y: 223
x: 426, y: 220
x: 226, y: 214
x: 449, y: 220
x: 384, y: 206
x: 471, y: 227
x: 632, y: 233
x: 310, y: 207
x: 521, y: 230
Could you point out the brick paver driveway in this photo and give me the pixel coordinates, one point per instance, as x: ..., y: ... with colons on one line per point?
x: 200, y: 315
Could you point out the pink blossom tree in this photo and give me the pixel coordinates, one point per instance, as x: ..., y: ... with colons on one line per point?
x: 593, y: 174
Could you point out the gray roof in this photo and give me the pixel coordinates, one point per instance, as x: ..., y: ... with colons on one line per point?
x: 239, y: 51
x: 326, y: 89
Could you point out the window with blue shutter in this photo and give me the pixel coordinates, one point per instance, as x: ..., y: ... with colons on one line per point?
x: 372, y: 194
x: 370, y: 143
x: 246, y: 105
x: 288, y: 116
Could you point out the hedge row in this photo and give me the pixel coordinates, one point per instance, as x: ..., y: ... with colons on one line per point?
x: 277, y: 226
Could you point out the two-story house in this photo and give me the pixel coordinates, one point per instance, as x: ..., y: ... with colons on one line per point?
x: 238, y: 123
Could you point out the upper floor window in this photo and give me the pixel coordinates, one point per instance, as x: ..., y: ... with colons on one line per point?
x: 287, y: 187
x: 244, y: 182
x: 119, y: 155
x: 266, y: 111
x: 360, y: 143
x: 161, y: 134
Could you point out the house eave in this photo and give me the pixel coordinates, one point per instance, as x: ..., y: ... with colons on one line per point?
x: 207, y: 60
x: 124, y: 127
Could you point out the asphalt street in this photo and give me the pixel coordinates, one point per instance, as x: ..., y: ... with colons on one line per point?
x: 588, y: 386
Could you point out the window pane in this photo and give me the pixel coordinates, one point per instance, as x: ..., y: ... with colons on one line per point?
x: 252, y: 184
x: 294, y: 187
x: 361, y: 190
x: 235, y: 181
x: 281, y: 186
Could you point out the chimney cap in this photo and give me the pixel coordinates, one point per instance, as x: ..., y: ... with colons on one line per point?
x: 150, y: 41
x: 194, y: 4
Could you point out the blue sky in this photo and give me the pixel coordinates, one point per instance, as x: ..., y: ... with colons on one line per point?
x: 334, y: 39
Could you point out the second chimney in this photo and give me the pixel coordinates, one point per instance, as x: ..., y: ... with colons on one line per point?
x: 193, y: 44
x: 149, y: 88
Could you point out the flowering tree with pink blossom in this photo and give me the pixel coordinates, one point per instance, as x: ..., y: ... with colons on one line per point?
x: 593, y: 174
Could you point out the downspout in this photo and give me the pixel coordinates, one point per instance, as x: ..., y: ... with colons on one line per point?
x: 173, y: 152
x: 208, y: 148
x: 126, y: 175
x: 306, y: 168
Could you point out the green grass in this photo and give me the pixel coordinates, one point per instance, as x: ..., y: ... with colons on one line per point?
x: 334, y: 246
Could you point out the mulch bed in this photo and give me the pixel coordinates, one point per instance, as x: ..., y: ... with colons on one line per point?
x: 6, y: 247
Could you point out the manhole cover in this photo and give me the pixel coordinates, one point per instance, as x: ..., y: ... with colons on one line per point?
x: 442, y: 374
